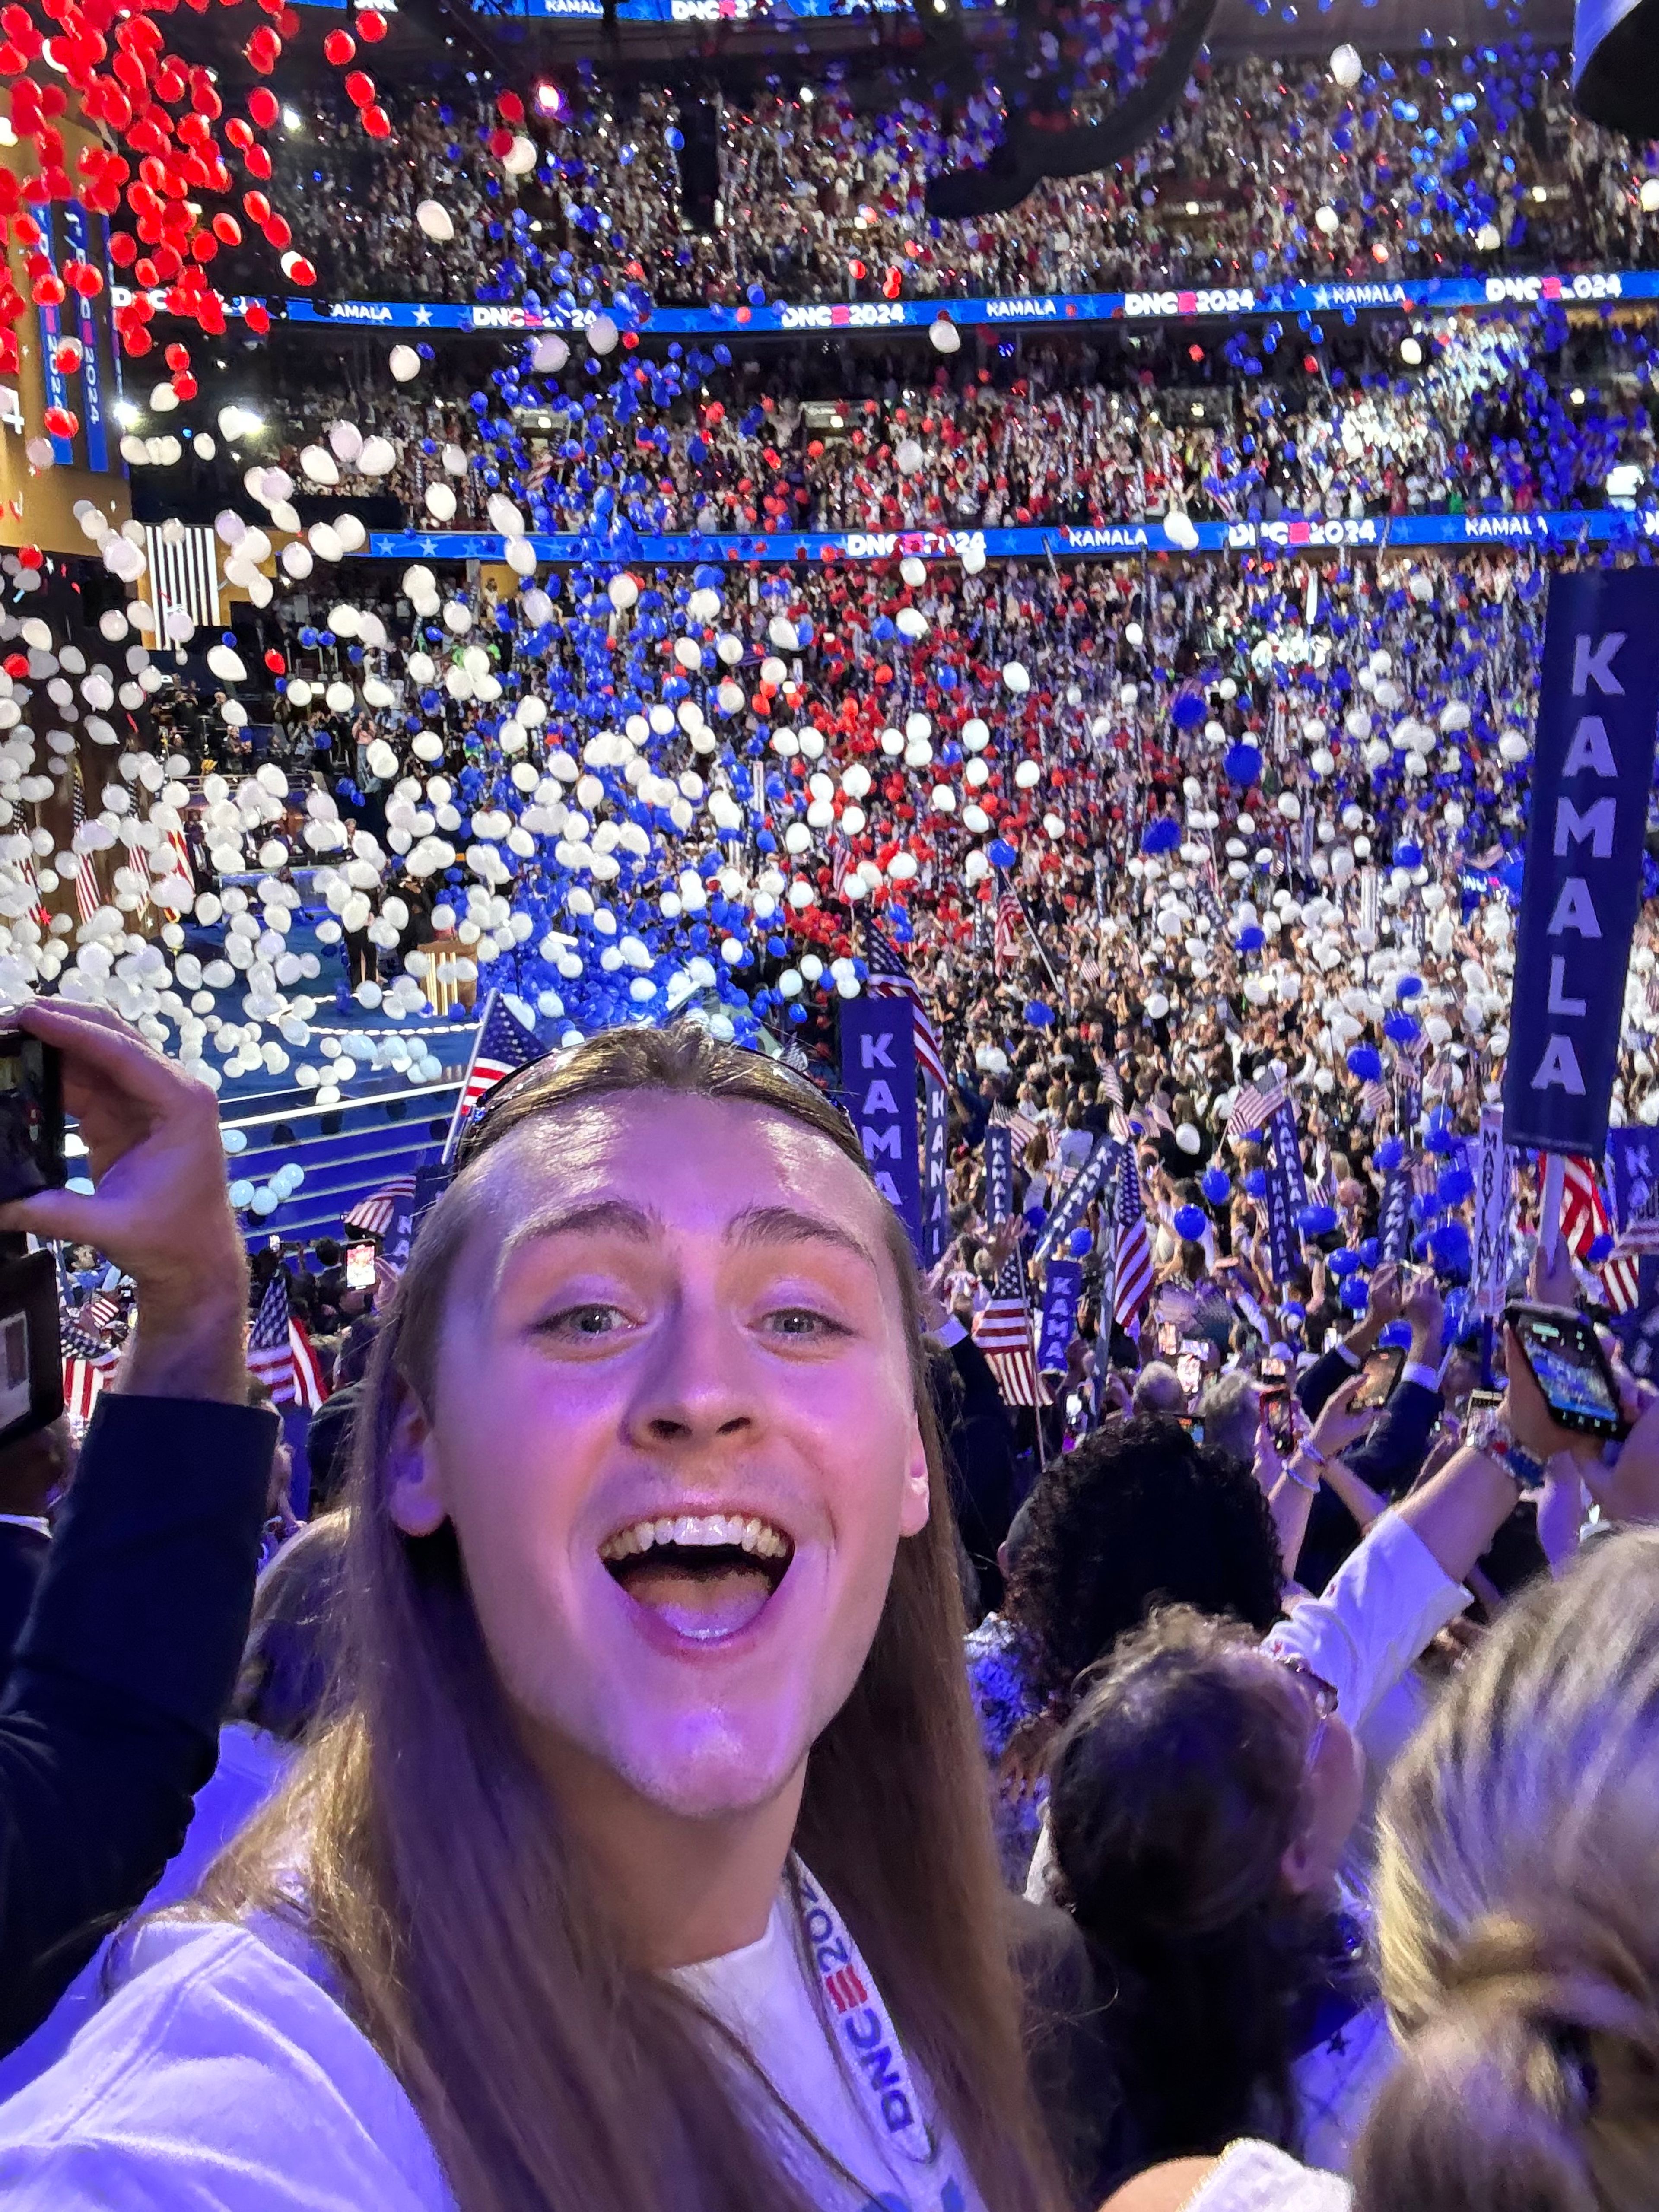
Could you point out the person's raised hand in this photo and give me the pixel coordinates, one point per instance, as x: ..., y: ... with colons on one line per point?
x: 1552, y: 1282
x: 1423, y: 1306
x: 1527, y: 1411
x: 160, y: 1208
x: 1387, y: 1290
x: 1628, y: 1490
x: 1341, y: 1423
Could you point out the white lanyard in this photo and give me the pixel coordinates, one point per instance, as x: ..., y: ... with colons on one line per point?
x: 851, y: 2001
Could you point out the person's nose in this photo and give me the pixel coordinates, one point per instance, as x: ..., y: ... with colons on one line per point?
x: 700, y: 1388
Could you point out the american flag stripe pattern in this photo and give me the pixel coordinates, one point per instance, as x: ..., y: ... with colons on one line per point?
x: 1003, y: 1332
x: 888, y: 978
x: 88, y: 1365
x: 1011, y: 920
x: 88, y: 897
x: 373, y: 1216
x: 1252, y: 1108
x: 1020, y: 1126
x: 281, y: 1355
x: 1583, y: 1218
x: 504, y: 1046
x: 1111, y: 1085
x: 1132, y: 1247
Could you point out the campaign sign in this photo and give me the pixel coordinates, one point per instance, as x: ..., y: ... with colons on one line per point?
x: 1633, y: 1185
x: 999, y: 1173
x: 878, y: 1091
x: 1287, y: 1191
x: 1062, y: 1294
x: 1598, y: 703
x: 936, y: 1163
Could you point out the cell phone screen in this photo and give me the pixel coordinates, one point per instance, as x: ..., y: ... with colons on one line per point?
x: 1566, y: 1363
x: 360, y: 1266
x: 1189, y: 1372
x: 31, y: 1116
x: 1380, y: 1373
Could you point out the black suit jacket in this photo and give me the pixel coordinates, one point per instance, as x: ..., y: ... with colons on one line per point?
x: 22, y: 1560
x: 986, y: 1482
x: 109, y: 1722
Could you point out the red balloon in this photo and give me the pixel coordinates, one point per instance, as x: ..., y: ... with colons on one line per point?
x: 371, y: 27
x: 263, y: 106
x: 360, y: 88
x: 377, y: 123
x: 339, y: 47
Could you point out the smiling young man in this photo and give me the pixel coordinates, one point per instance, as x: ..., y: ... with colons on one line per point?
x: 650, y: 1864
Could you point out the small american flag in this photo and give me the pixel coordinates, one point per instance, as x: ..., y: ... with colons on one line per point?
x: 1020, y: 1126
x: 1373, y: 1097
x: 373, y: 1216
x: 1253, y: 1109
x: 1003, y: 1332
x: 1133, y: 1250
x: 1583, y: 1218
x: 1011, y: 920
x: 87, y: 1363
x: 890, y: 978
x: 1160, y: 1114
x: 1111, y: 1085
x: 280, y: 1354
x: 88, y: 897
x: 502, y: 1047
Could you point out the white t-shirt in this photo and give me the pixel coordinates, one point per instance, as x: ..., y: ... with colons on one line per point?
x: 762, y: 1994
x: 223, y: 2077
x: 1254, y: 2177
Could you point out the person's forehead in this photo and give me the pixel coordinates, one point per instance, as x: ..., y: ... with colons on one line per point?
x: 696, y: 1161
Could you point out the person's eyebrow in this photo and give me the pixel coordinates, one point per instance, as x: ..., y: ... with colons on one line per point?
x: 615, y: 1217
x: 789, y: 1224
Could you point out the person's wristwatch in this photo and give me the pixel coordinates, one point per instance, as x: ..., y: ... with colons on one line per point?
x: 1490, y: 1432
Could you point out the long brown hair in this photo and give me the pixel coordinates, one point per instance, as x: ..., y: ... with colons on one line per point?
x: 443, y: 1888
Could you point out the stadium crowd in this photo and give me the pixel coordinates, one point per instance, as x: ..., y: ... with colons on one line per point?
x: 1150, y: 1707
x: 1268, y: 173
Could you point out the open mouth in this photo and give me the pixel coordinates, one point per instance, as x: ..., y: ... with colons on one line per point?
x: 703, y: 1575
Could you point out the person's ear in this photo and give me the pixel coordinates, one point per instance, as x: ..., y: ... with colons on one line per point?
x: 1298, y: 1867
x: 914, y: 1504
x: 413, y: 1488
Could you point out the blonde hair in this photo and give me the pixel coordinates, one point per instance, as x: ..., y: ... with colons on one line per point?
x: 1518, y: 1896
x: 473, y: 1946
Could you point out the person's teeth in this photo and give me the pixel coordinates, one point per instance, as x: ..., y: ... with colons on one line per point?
x: 690, y: 1529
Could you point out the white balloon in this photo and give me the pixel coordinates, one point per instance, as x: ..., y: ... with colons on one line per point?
x: 404, y: 363
x: 602, y: 334
x: 1345, y: 66
x: 435, y: 222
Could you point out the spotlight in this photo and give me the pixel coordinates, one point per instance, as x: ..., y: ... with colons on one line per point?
x: 551, y: 101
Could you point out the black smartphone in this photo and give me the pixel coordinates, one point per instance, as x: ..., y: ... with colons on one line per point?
x: 1271, y: 1371
x: 31, y: 1116
x: 1569, y: 1366
x: 1276, y: 1410
x: 1378, y: 1378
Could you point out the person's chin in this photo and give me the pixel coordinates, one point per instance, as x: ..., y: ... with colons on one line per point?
x: 716, y: 1762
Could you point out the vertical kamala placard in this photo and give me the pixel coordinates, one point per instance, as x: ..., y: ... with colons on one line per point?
x: 878, y: 1090
x: 1598, y: 703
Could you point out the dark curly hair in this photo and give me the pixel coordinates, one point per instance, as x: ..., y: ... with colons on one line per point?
x: 1175, y: 1789
x: 1138, y: 1515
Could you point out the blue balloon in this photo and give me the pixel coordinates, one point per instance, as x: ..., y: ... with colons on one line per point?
x: 1251, y: 938
x: 1037, y: 1016
x: 1162, y: 835
x: 1453, y: 1186
x: 1389, y: 1153
x: 1600, y: 1248
x: 1399, y: 1029
x: 1255, y: 1183
x: 1215, y: 1185
x: 1365, y: 1063
x: 1242, y: 764
x: 1082, y: 1244
x: 1190, y: 1223
x: 1355, y: 1294
x: 1407, y: 986
x: 1345, y: 1262
x: 1315, y: 1220
x: 1000, y: 854
x: 1369, y: 1252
